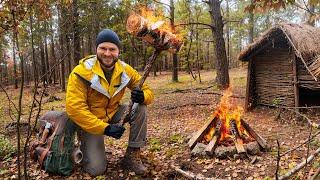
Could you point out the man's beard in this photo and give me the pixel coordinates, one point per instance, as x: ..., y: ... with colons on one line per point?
x: 114, y: 60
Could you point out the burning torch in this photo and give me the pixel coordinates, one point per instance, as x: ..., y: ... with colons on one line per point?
x: 158, y: 36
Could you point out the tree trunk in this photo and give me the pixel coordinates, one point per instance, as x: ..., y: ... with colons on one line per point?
x: 76, y: 36
x: 15, y: 45
x: 228, y: 32
x: 174, y: 55
x: 251, y: 25
x: 62, y: 52
x: 43, y: 64
x: 67, y: 42
x: 53, y: 55
x: 47, y: 56
x: 15, y: 73
x: 311, y: 15
x: 222, y: 78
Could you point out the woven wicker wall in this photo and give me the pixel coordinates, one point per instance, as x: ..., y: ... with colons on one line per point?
x: 305, y: 79
x: 273, y: 77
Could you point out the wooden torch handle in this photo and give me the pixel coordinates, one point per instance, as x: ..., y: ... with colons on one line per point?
x: 126, y: 116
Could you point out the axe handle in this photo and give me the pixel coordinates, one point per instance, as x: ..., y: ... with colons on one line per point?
x: 126, y: 116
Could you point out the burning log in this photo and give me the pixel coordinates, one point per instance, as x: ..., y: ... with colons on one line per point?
x: 214, y: 141
x: 200, y: 133
x: 221, y: 149
x: 155, y: 33
x: 262, y: 142
x: 237, y: 140
x: 226, y: 134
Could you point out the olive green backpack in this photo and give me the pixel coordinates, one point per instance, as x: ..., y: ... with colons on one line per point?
x: 55, y: 143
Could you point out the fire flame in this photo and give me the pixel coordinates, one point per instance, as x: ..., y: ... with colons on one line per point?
x: 156, y: 20
x: 227, y: 111
x: 153, y: 20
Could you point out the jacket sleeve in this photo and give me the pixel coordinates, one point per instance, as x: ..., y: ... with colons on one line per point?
x: 135, y: 78
x: 78, y: 109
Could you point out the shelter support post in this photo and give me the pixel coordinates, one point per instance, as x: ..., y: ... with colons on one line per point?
x: 295, y: 83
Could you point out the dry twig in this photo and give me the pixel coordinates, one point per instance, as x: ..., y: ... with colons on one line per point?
x: 184, y: 105
x: 301, y: 165
x: 278, y: 159
x: 306, y: 141
x: 189, y: 175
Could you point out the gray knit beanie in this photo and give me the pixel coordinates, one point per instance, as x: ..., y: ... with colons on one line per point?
x: 107, y: 35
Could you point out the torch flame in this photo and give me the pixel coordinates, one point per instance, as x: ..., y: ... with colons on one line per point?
x: 151, y: 27
x: 156, y: 20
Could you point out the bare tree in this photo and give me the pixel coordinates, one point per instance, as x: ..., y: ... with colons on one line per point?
x: 222, y: 77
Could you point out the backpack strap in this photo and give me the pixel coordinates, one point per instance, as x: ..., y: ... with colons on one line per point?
x: 50, y: 139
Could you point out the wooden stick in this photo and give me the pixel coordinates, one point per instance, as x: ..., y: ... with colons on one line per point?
x: 200, y: 133
x: 189, y: 175
x: 300, y: 166
x: 212, y: 145
x: 237, y: 141
x: 147, y: 70
x: 215, y: 139
x: 306, y: 141
x: 261, y: 141
x: 278, y: 160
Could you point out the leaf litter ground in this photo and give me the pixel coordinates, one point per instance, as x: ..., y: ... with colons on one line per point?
x: 179, y: 110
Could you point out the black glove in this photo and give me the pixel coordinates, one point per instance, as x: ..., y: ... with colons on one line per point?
x: 114, y: 130
x: 137, y: 96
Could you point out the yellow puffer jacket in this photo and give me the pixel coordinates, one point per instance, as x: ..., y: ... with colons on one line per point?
x: 91, y: 101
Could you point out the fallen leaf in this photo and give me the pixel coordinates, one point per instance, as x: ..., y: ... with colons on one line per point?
x: 234, y: 174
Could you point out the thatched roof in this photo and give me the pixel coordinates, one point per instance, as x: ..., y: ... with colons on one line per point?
x: 304, y: 40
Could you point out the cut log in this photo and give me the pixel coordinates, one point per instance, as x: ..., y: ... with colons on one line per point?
x: 199, y: 135
x: 215, y: 139
x: 252, y: 148
x: 261, y: 141
x: 237, y: 140
x: 223, y: 152
x: 154, y: 33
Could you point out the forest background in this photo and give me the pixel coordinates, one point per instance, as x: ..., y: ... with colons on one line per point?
x: 41, y: 42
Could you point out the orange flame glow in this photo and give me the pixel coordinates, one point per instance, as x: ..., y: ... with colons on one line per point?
x: 227, y: 110
x: 156, y: 20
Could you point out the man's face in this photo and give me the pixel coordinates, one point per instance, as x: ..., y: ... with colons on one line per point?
x: 107, y: 54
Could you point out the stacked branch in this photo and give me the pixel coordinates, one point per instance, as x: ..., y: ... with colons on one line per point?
x: 214, y: 141
x: 237, y: 139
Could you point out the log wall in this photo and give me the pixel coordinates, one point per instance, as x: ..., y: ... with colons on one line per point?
x: 274, y: 77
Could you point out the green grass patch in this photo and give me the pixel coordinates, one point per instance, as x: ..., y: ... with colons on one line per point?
x: 315, y: 142
x: 6, y: 148
x: 316, y: 164
x: 170, y: 152
x: 176, y: 138
x: 155, y: 144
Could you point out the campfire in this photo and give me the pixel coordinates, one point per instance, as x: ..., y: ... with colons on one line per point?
x: 226, y: 134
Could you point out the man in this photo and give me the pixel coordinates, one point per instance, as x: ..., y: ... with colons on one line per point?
x: 94, y: 91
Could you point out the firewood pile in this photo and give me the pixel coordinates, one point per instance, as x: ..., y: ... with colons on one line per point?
x: 226, y: 134
x: 222, y: 140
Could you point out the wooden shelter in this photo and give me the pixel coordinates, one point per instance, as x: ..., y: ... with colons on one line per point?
x: 284, y: 67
